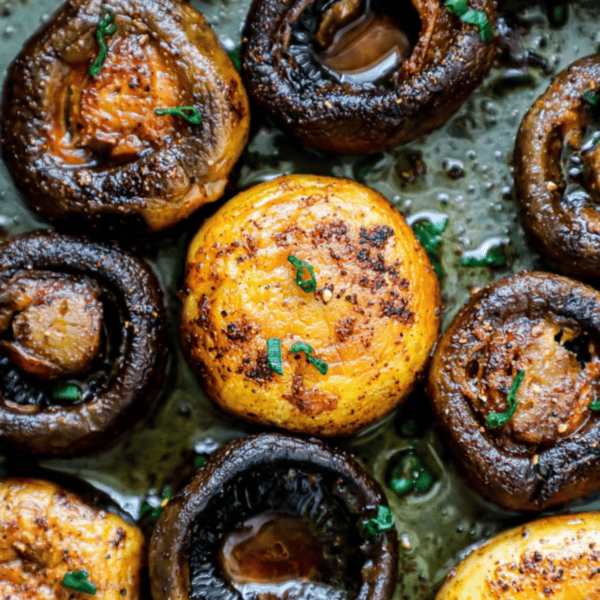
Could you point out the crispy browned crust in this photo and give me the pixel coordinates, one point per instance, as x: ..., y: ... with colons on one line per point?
x: 47, y: 531
x: 373, y: 318
x: 549, y: 451
x: 169, y: 548
x: 136, y: 377
x: 186, y: 169
x: 555, y: 557
x: 448, y: 63
x: 567, y: 233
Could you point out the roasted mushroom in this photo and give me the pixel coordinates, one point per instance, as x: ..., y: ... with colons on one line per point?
x: 82, y: 343
x: 557, y: 170
x: 515, y: 382
x: 274, y: 516
x: 103, y: 148
x: 556, y: 557
x: 359, y: 76
x: 53, y: 545
x: 366, y: 324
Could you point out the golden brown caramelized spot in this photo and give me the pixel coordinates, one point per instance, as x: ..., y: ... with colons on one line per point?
x: 115, y: 113
x: 112, y: 113
x: 55, y: 322
x: 561, y: 366
x: 366, y: 46
x: 310, y: 401
x: 271, y: 548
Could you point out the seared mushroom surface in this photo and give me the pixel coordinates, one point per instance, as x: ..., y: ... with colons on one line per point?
x: 355, y: 76
x: 82, y: 343
x: 274, y: 516
x: 48, y: 533
x: 91, y: 147
x: 557, y: 170
x: 555, y: 557
x: 367, y: 326
x: 531, y: 341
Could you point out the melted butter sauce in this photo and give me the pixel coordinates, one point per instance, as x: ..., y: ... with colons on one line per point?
x: 271, y: 553
x: 367, y: 50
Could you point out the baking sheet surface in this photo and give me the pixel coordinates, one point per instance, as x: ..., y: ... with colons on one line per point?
x: 437, y: 528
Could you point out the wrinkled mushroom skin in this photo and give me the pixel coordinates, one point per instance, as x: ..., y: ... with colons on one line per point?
x: 447, y: 63
x: 373, y: 317
x: 171, y: 539
x: 46, y: 272
x: 561, y: 219
x: 548, y: 452
x: 91, y: 149
x: 555, y: 557
x: 47, y: 531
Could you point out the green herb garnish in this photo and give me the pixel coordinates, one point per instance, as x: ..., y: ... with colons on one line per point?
x: 78, y: 581
x: 558, y: 12
x: 429, y: 234
x: 274, y: 355
x: 68, y: 391
x: 402, y: 485
x: 423, y: 482
x: 106, y: 26
x: 195, y: 118
x: 383, y: 521
x: 591, y: 98
x: 199, y: 461
x: 302, y: 347
x: 234, y: 56
x: 494, y: 257
x: 409, y: 474
x: 154, y: 512
x: 495, y: 419
x: 473, y: 17
x: 308, y: 285
x: 595, y: 405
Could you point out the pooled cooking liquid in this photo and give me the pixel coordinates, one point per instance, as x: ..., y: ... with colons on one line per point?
x: 367, y: 49
x: 272, y: 554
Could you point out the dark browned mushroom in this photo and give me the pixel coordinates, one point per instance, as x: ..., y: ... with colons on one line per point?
x: 557, y: 170
x: 548, y: 452
x: 356, y: 76
x: 91, y: 147
x: 277, y: 514
x: 82, y: 343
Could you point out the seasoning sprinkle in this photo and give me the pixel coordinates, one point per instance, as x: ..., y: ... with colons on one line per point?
x: 274, y: 355
x: 106, y: 26
x: 495, y: 419
x: 194, y: 118
x: 383, y: 521
x: 307, y: 285
x: 317, y: 362
x: 473, y: 17
x: 78, y: 581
